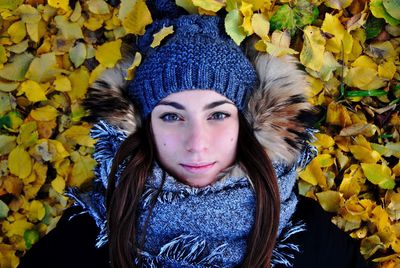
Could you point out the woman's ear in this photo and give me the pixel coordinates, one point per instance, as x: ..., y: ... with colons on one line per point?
x: 107, y: 98
x: 277, y: 109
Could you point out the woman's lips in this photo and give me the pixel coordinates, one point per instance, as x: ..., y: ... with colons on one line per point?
x: 198, y: 167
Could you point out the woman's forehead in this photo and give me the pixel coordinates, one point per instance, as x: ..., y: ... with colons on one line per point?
x: 196, y: 95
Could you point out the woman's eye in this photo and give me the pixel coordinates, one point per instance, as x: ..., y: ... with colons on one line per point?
x: 219, y: 116
x: 169, y: 117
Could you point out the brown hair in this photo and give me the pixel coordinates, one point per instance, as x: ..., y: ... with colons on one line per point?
x: 123, y: 200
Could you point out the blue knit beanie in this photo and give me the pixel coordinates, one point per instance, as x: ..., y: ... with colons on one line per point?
x: 198, y: 55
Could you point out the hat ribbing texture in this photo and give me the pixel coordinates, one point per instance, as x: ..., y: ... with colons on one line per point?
x: 198, y: 55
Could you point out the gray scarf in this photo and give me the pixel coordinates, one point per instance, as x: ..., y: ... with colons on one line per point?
x: 194, y: 227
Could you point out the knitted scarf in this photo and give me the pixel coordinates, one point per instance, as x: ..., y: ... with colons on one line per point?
x: 194, y: 227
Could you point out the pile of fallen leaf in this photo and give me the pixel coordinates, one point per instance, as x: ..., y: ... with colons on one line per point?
x: 50, y: 51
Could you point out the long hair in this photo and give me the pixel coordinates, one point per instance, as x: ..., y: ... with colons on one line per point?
x: 123, y: 200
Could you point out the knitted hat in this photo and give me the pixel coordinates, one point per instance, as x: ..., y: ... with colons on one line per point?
x: 198, y: 55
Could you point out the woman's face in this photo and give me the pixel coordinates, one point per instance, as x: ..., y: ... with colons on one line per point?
x: 195, y: 133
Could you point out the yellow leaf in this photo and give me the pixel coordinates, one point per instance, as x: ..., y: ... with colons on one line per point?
x: 17, y: 227
x: 82, y: 170
x: 79, y: 135
x: 352, y: 181
x: 134, y: 65
x: 58, y: 184
x: 338, y: 4
x: 247, y: 11
x: 210, y: 5
x: 379, y: 174
x: 28, y: 134
x: 68, y: 30
x: 43, y: 68
x: 33, y: 91
x: 312, y: 54
x: 363, y: 78
x: 260, y: 25
x: 94, y: 23
x: 49, y: 150
x: 63, y: 4
x: 16, y: 69
x: 188, y: 5
x: 77, y: 54
x: 13, y: 185
x: 45, y: 128
x: 77, y: 13
x: 137, y: 18
x: 104, y: 56
x: 324, y: 160
x: 338, y: 115
x: 79, y: 83
x: 323, y: 141
x: 62, y: 84
x: 28, y: 14
x: 45, y: 113
x: 329, y: 200
x: 279, y: 45
x: 312, y: 173
x: 387, y: 70
x: 365, y: 129
x: 20, y: 47
x: 364, y: 154
x: 17, y: 31
x: 341, y: 40
x: 329, y: 66
x: 19, y: 162
x: 159, y: 36
x: 36, y: 211
x: 98, y: 7
x: 382, y: 50
x: 233, y: 22
x: 7, y: 143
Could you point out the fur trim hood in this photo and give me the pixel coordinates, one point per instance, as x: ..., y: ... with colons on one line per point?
x: 277, y: 110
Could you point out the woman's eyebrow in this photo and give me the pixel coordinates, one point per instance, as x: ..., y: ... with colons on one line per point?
x: 216, y: 103
x: 181, y: 107
x: 173, y: 104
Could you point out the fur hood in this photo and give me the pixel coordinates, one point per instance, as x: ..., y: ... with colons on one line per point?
x: 277, y: 109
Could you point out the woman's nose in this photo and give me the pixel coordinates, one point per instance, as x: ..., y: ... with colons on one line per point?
x: 196, y: 138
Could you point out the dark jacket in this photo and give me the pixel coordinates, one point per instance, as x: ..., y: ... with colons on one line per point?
x: 72, y: 243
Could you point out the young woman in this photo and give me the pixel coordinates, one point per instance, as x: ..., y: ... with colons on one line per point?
x: 197, y: 164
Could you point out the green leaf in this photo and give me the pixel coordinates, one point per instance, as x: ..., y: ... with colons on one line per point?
x: 10, y: 4
x: 7, y: 143
x: 12, y: 120
x: 379, y: 175
x: 3, y: 210
x: 366, y: 93
x: 379, y: 11
x: 287, y: 18
x: 373, y: 27
x: 233, y: 22
x: 393, y: 8
x: 31, y: 237
x: 17, y: 68
x: 77, y: 54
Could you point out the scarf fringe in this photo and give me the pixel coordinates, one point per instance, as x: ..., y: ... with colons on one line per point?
x: 184, y: 251
x: 284, y: 253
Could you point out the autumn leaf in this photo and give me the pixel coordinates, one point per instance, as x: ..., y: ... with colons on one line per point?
x: 160, y: 35
x: 312, y: 54
x: 379, y: 174
x: 20, y: 162
x: 233, y: 21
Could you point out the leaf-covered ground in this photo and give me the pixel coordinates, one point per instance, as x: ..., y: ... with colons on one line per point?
x: 50, y: 51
